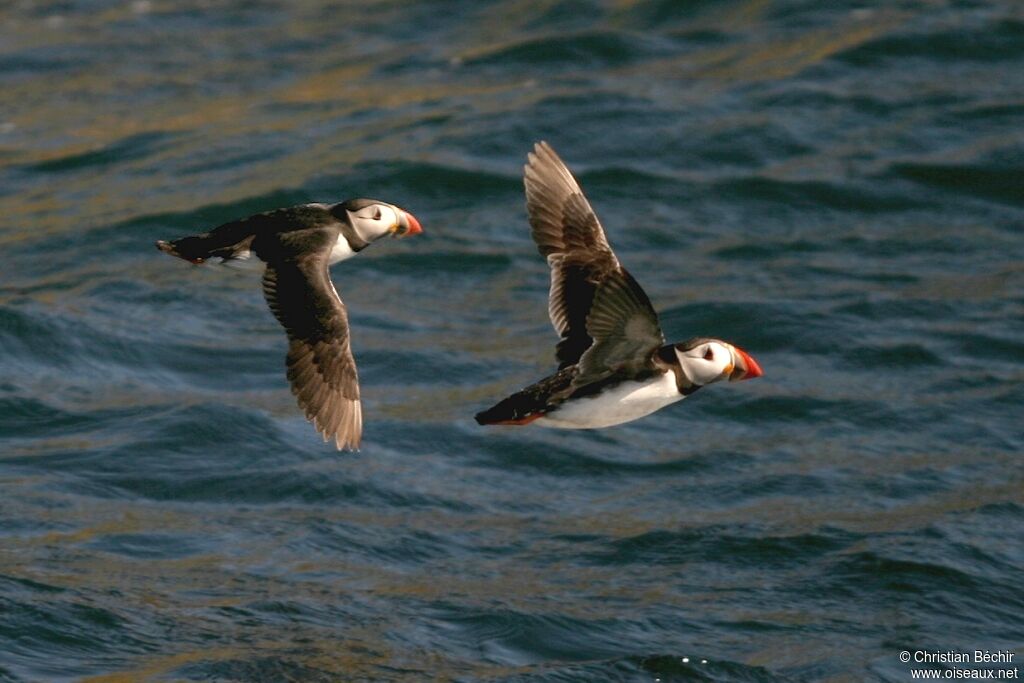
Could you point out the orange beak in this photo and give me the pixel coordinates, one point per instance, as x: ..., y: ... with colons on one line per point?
x: 408, y: 224
x: 745, y: 366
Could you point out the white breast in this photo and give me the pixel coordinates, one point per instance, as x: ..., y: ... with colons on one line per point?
x: 341, y: 250
x: 624, y: 403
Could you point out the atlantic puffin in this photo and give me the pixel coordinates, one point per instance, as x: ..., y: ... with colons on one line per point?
x: 613, y: 363
x: 297, y: 244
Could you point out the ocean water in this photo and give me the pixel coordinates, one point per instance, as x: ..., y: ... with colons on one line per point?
x: 836, y: 187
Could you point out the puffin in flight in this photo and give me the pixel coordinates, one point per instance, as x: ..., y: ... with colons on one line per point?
x: 613, y: 363
x: 298, y: 244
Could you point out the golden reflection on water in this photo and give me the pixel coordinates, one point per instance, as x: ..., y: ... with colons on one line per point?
x: 65, y: 115
x: 197, y: 587
x: 61, y: 115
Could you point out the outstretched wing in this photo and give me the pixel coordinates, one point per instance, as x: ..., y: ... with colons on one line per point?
x: 569, y: 235
x: 624, y: 328
x: 587, y: 281
x: 321, y: 369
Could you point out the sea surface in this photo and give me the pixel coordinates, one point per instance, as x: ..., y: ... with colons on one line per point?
x: 836, y: 187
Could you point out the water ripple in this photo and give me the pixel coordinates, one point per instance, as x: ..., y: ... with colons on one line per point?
x: 833, y: 188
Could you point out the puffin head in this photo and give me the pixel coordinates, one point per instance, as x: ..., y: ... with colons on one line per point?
x: 705, y: 361
x: 372, y: 219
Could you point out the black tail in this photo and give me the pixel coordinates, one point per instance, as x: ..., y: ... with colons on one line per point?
x: 512, y: 410
x: 225, y: 241
x: 523, y: 407
x: 189, y: 248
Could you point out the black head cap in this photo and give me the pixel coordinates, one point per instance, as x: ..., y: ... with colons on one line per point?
x: 693, y: 342
x: 353, y: 205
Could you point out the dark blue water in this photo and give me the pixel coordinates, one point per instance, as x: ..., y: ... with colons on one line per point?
x: 836, y: 187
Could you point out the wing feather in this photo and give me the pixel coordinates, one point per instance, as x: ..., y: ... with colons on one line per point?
x: 625, y: 329
x: 560, y: 215
x: 595, y: 306
x: 568, y: 233
x: 321, y: 368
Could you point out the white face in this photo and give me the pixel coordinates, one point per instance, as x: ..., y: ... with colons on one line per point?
x: 707, y: 362
x: 374, y: 221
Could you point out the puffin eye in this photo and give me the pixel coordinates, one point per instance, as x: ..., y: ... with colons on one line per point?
x: 709, y: 354
x: 376, y: 214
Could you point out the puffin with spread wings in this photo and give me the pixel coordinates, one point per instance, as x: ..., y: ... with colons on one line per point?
x: 614, y: 364
x: 297, y: 244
